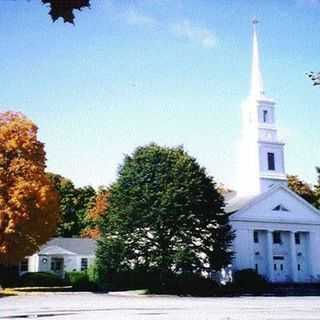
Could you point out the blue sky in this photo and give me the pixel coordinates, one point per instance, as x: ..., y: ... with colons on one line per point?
x: 169, y: 71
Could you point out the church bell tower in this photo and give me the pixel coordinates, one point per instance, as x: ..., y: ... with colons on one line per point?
x: 261, y: 165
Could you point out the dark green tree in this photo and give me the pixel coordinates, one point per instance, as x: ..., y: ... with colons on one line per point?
x: 74, y: 203
x: 165, y: 214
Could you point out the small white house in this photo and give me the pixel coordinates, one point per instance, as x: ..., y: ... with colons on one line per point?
x: 60, y: 255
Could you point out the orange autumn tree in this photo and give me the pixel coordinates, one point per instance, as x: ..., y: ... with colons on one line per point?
x: 96, y: 211
x: 28, y: 202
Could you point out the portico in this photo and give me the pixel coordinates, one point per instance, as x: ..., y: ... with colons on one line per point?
x: 286, y: 254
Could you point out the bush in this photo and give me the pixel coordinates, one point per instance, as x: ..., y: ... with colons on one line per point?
x: 9, y: 276
x: 80, y: 281
x: 181, y: 284
x: 187, y: 284
x: 41, y: 279
x: 249, y: 280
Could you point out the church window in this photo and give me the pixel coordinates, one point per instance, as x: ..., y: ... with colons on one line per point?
x: 276, y: 237
x: 297, y: 237
x: 255, y: 237
x: 281, y: 267
x: 265, y: 115
x: 299, y: 267
x: 280, y: 207
x: 256, y: 267
x: 275, y: 267
x: 271, y: 163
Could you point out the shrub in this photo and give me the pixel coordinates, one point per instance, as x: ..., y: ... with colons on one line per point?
x: 80, y: 281
x: 186, y: 284
x: 249, y: 280
x: 9, y: 276
x: 41, y: 279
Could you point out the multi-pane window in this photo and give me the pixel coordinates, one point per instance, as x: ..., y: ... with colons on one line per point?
x: 297, y: 237
x: 271, y: 163
x: 255, y: 236
x: 84, y: 264
x: 24, y: 265
x: 276, y: 237
x: 56, y: 264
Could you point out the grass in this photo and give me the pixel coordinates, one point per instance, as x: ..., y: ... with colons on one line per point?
x: 29, y: 290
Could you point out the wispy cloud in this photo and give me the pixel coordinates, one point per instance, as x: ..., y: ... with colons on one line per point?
x: 135, y: 18
x: 310, y: 3
x: 198, y: 34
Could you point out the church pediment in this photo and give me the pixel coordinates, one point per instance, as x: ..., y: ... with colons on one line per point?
x: 277, y: 205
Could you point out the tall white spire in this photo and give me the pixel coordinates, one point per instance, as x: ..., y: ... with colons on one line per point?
x: 261, y: 161
x: 256, y: 78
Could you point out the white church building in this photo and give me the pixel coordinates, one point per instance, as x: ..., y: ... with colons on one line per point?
x: 277, y: 233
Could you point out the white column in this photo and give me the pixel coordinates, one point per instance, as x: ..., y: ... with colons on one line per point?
x: 312, y: 255
x: 269, y: 255
x: 293, y: 256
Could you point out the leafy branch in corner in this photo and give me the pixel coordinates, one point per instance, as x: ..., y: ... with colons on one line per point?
x: 64, y: 8
x: 315, y: 77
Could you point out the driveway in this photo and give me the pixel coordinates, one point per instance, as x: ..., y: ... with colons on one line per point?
x: 74, y: 306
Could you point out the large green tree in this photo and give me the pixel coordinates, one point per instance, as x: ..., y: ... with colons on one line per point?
x: 166, y: 214
x: 74, y: 204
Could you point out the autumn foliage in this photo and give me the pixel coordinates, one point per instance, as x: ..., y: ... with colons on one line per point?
x: 97, y: 210
x: 28, y: 202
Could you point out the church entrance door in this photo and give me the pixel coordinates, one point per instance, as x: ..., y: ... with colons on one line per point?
x: 279, y: 269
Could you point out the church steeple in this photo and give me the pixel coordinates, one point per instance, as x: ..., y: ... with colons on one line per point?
x: 261, y: 164
x: 256, y: 78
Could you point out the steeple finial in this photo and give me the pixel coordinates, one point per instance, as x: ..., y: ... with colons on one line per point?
x: 256, y: 79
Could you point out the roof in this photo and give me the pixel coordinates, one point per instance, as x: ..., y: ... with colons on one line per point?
x: 236, y: 203
x: 239, y: 202
x: 55, y: 250
x: 69, y: 246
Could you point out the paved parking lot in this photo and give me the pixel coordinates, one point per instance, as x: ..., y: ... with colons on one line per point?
x: 117, y: 307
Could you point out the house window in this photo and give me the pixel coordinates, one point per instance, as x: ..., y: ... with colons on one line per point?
x: 297, y: 237
x: 265, y: 115
x: 271, y: 164
x: 56, y: 264
x: 255, y: 236
x: 84, y: 264
x: 24, y: 265
x: 276, y: 237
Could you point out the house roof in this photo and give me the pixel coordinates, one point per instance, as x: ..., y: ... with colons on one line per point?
x: 71, y: 246
x: 55, y: 250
